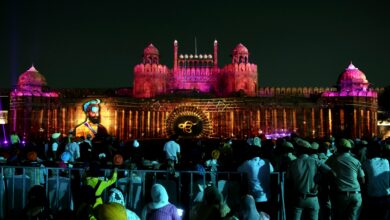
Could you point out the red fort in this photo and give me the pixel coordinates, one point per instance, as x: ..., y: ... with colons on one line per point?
x: 197, y: 72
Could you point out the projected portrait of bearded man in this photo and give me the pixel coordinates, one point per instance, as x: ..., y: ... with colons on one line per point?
x: 92, y: 124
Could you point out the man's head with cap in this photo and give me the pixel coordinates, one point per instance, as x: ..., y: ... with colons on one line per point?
x: 70, y: 133
x: 257, y: 141
x: 212, y: 196
x: 92, y: 109
x: 32, y: 156
x: 215, y: 154
x: 66, y: 156
x: 135, y: 143
x: 345, y: 144
x: 117, y: 160
x: 326, y: 144
x: 303, y: 146
x: 56, y: 135
x: 315, y: 146
x: 303, y: 143
x: 287, y: 144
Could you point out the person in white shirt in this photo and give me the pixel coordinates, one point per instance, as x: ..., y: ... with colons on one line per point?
x: 172, y: 149
x: 378, y: 183
x: 74, y: 149
x: 258, y: 175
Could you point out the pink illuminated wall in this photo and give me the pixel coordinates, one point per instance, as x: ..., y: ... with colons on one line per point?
x: 349, y: 109
x: 198, y: 72
x: 150, y: 76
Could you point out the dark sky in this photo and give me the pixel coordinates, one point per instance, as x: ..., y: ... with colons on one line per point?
x: 95, y: 44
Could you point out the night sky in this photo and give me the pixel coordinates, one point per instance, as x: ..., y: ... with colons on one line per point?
x: 95, y: 44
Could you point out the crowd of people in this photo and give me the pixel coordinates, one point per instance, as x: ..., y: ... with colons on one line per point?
x: 329, y: 178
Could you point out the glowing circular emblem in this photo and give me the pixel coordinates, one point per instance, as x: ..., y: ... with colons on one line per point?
x: 188, y: 121
x: 187, y: 126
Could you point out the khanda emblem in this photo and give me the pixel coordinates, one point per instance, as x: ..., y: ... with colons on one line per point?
x: 186, y: 126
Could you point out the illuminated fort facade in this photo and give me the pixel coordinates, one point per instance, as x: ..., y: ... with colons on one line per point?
x: 197, y: 98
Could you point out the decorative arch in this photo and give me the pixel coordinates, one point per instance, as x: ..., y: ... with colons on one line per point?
x: 188, y: 121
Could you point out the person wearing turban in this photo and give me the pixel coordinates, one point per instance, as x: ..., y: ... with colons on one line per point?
x: 212, y: 206
x: 92, y: 124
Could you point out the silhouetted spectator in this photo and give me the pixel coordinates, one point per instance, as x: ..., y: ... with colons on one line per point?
x: 300, y: 177
x: 346, y: 195
x: 172, y: 149
x: 116, y: 196
x: 93, y: 180
x: 378, y: 183
x: 248, y: 210
x: 37, y: 207
x: 86, y: 149
x: 258, y: 172
x: 160, y: 208
x: 212, y: 206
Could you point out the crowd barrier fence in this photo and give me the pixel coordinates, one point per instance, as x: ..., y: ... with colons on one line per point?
x: 184, y: 187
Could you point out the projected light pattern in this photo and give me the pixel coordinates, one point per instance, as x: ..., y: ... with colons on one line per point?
x: 188, y: 121
x: 277, y: 135
x: 196, y: 98
x: 2, y: 125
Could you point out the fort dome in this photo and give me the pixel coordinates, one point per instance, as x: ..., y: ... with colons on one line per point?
x: 31, y: 78
x: 352, y: 77
x: 240, y: 48
x: 151, y: 49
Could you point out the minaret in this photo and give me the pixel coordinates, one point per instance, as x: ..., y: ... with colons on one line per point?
x: 149, y: 77
x: 240, y: 75
x: 215, y: 53
x: 240, y: 54
x: 175, y: 49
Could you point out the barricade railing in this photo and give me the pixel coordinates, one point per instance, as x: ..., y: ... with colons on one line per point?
x: 184, y: 187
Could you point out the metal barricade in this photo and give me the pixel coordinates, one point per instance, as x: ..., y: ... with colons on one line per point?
x: 183, y: 187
